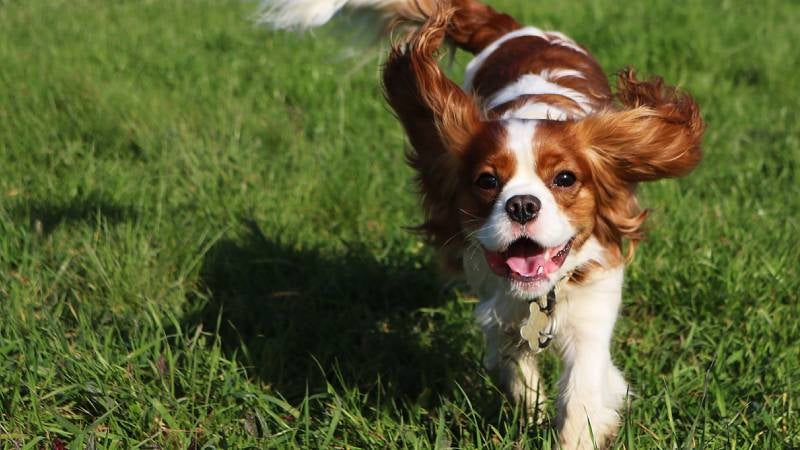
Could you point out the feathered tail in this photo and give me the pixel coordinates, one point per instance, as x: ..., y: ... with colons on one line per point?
x: 305, y: 14
x: 472, y: 25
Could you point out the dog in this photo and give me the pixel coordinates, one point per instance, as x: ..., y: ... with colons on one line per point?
x: 527, y: 174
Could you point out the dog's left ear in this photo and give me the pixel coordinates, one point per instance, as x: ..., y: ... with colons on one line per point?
x: 656, y: 135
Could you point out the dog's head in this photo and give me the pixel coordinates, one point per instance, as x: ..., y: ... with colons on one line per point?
x: 531, y: 193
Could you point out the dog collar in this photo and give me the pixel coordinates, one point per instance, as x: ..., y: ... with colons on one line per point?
x: 540, y: 328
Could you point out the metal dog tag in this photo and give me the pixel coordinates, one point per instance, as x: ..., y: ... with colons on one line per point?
x: 540, y: 328
x: 535, y: 327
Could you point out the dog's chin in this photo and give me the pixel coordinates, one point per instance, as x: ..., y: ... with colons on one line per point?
x: 530, y: 270
x: 529, y: 290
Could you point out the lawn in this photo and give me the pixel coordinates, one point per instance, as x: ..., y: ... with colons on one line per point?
x: 204, y: 238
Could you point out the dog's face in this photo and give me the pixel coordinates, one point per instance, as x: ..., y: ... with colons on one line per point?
x: 526, y: 200
x: 532, y: 192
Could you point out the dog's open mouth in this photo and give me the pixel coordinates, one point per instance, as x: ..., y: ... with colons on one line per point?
x: 526, y: 261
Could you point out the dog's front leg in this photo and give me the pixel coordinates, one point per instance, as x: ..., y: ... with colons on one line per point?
x: 520, y: 378
x: 592, y: 389
x: 510, y: 360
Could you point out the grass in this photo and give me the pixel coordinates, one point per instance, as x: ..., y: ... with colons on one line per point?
x: 202, y: 239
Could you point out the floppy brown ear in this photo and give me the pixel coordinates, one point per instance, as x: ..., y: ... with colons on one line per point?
x: 439, y: 118
x: 656, y: 135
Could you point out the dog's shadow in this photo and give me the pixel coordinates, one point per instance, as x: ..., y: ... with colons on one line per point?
x: 300, y: 319
x: 45, y: 216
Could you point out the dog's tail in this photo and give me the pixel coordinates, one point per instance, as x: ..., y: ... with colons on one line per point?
x: 472, y: 25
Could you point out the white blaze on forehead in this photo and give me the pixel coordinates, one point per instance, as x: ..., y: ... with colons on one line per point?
x: 519, y: 135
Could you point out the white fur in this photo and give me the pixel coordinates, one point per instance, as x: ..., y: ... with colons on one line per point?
x: 304, y: 14
x: 556, y: 37
x: 592, y: 389
x: 520, y: 135
x: 532, y: 84
x: 555, y: 74
x: 538, y: 111
x: 480, y: 58
x: 544, y: 82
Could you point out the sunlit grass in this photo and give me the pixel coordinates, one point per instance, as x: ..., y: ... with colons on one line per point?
x: 203, y: 238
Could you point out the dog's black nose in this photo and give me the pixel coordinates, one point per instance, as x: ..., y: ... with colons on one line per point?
x: 523, y: 208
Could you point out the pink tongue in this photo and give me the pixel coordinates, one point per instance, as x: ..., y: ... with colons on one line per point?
x: 525, y: 258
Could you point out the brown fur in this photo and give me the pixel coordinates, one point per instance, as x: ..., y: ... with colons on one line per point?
x: 475, y: 25
x: 653, y: 132
x: 560, y: 101
x: 486, y: 154
x: 555, y: 152
x: 656, y: 135
x: 440, y: 120
x: 532, y: 54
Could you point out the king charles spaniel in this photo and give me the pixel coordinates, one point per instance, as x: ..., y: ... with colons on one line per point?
x: 528, y: 174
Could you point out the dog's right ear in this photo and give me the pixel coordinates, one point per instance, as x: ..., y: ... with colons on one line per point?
x: 440, y: 120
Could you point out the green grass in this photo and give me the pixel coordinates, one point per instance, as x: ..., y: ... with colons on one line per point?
x: 203, y: 243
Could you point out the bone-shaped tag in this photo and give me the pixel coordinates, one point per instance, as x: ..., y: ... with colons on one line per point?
x: 534, y: 327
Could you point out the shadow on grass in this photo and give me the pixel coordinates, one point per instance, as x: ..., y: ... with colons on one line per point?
x: 293, y: 315
x: 46, y: 216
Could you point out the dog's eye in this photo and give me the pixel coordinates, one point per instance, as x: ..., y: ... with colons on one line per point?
x: 487, y: 181
x: 564, y: 178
